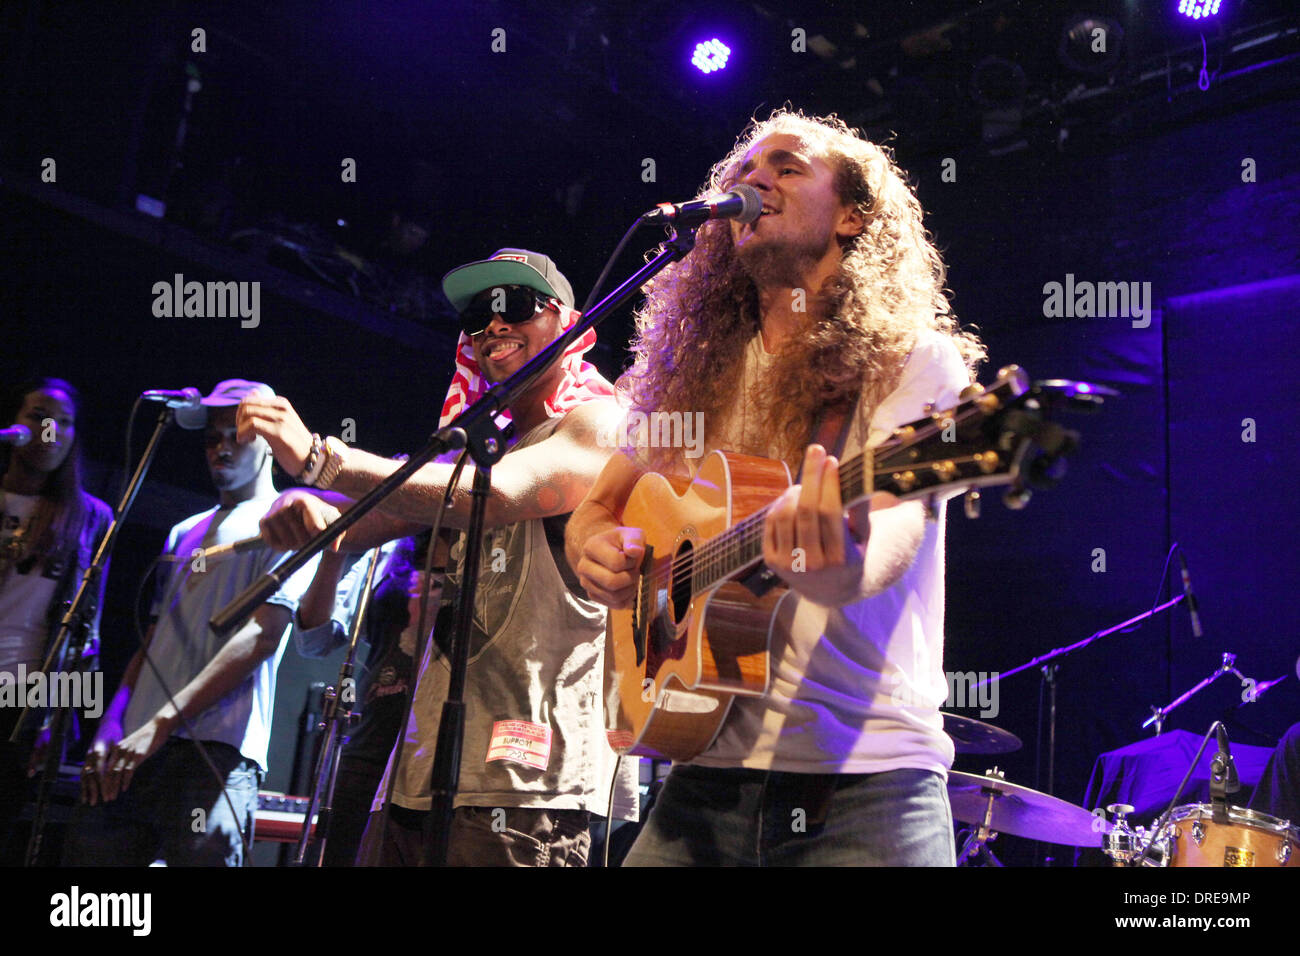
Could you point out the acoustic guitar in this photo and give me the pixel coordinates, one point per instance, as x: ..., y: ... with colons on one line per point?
x: 698, y: 632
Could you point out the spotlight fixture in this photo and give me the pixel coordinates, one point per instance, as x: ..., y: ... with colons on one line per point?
x: 1199, y: 9
x: 710, y: 55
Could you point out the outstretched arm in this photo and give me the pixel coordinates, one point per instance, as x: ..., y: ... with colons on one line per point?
x: 549, y: 478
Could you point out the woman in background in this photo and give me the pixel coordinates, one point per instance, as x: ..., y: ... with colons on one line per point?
x: 49, y: 530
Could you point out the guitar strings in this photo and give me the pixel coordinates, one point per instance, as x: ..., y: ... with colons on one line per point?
x: 712, y: 559
x: 721, y: 556
x: 713, y: 555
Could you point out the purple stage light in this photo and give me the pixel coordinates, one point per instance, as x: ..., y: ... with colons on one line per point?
x: 1199, y: 9
x: 710, y: 55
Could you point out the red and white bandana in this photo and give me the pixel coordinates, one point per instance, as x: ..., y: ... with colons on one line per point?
x: 582, y: 381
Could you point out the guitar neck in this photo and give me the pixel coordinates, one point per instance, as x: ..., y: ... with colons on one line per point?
x: 979, y: 443
x: 739, y: 549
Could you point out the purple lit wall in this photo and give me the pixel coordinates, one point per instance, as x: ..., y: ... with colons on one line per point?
x: 1165, y: 462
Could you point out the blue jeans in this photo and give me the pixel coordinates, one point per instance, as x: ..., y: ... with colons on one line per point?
x: 735, y: 817
x: 174, y: 811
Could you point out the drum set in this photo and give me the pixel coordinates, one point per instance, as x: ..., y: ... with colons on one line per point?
x: 1192, y: 835
x: 1201, y: 834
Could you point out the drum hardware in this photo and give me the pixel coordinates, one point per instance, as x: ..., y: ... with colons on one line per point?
x: 1228, y: 665
x: 994, y: 805
x: 1123, y: 844
x: 976, y: 844
x: 1204, y: 834
x: 1048, y: 673
x: 1218, y: 772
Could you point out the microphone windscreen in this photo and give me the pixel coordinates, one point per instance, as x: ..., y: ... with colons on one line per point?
x: 752, y: 202
x: 193, y: 418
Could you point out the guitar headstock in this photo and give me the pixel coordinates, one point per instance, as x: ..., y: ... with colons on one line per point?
x: 999, y: 435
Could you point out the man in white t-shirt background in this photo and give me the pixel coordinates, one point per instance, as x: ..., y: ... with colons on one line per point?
x: 148, y: 790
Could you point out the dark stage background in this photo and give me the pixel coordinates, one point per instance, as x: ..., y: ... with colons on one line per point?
x: 1117, y: 176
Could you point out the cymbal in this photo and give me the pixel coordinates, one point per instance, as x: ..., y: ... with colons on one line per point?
x: 1022, y: 812
x: 970, y: 736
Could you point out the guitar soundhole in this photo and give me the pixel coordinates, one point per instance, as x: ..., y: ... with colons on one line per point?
x: 672, y: 604
x: 680, y: 592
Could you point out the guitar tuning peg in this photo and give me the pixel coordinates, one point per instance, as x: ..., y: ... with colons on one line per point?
x: 1016, y: 498
x: 1016, y: 378
x: 972, y: 503
x: 971, y: 391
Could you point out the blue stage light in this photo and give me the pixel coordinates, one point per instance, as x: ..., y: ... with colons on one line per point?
x: 710, y: 55
x: 1199, y: 9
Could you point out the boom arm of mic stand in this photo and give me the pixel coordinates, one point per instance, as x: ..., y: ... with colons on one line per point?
x: 1160, y: 713
x: 234, y: 614
x: 1077, y: 645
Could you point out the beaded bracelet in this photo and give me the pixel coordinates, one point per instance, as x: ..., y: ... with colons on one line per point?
x: 315, y: 462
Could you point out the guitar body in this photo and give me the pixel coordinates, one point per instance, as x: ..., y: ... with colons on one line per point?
x: 674, y: 662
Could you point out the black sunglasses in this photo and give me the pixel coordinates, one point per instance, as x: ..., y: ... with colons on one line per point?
x: 509, y: 303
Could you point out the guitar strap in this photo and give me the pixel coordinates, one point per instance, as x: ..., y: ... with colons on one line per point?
x: 831, y: 429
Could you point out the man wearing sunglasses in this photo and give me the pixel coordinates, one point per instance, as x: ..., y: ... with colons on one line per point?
x: 535, y: 763
x: 148, y: 791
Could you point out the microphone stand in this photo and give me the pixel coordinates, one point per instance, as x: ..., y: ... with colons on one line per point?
x: 475, y: 429
x: 1049, y: 681
x: 1158, y: 714
x: 73, y: 631
x: 327, y: 760
x: 1158, y: 831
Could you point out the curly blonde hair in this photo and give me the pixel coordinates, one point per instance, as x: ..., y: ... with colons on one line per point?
x: 701, y: 313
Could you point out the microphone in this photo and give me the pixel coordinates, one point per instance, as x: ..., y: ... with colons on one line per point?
x: 1223, y: 776
x: 1262, y: 688
x: 190, y: 413
x: 1191, y: 598
x: 741, y: 202
x: 185, y: 398
x: 16, y: 435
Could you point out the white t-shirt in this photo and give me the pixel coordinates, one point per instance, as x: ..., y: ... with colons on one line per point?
x: 856, y: 689
x: 191, y: 592
x: 25, y: 593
